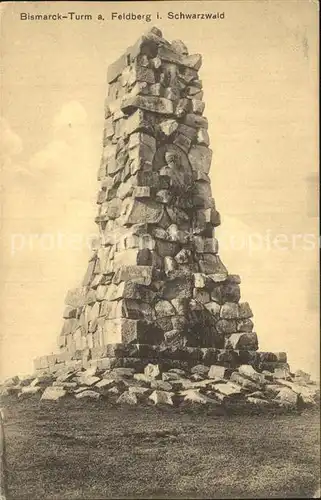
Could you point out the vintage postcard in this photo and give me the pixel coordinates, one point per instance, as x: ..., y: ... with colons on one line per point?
x: 159, y: 333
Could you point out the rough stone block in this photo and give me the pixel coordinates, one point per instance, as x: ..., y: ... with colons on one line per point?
x: 212, y: 265
x: 229, y: 310
x: 185, y: 130
x: 195, y: 121
x: 87, y: 394
x: 152, y: 371
x: 164, y: 308
x: 120, y: 330
x: 216, y: 372
x: 178, y: 287
x: 127, y: 397
x: 138, y: 274
x: 228, y: 389
x: 249, y: 372
x: 198, y: 106
x: 161, y: 398
x: 244, y: 382
x: 287, y: 397
x: 202, y: 137
x: 213, y: 308
x: 168, y: 127
x: 148, y: 211
x: 53, y: 394
x: 159, y: 105
x: 139, y: 73
x: 182, y: 142
x: 225, y: 326
x: 200, y: 370
x: 245, y: 311
x: 200, y: 158
x: 242, y: 341
x: 244, y: 325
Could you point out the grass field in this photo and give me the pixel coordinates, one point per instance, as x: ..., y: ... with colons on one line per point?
x: 92, y: 450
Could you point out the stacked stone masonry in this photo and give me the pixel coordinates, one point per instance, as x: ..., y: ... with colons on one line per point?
x: 155, y: 285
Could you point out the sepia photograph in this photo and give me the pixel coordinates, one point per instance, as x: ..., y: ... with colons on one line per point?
x: 159, y: 242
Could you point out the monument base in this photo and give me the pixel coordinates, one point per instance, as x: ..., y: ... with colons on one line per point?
x: 137, y: 356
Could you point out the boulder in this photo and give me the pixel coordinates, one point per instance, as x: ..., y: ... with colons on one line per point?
x: 140, y: 392
x: 228, y: 389
x: 87, y: 394
x: 260, y: 403
x: 281, y: 373
x: 200, y: 370
x: 80, y: 389
x: 287, y: 397
x: 310, y: 394
x: 257, y: 394
x: 123, y: 372
x: 272, y: 390
x: 249, y: 372
x: 152, y: 371
x: 195, y: 377
x: 267, y: 375
x: 161, y: 398
x: 178, y: 371
x: 9, y: 382
x: 244, y: 382
x: 128, y: 398
x: 194, y: 396
x: 169, y: 376
x: 113, y: 391
x: 216, y: 372
x: 105, y: 383
x: 142, y: 377
x: 53, y: 394
x: 65, y: 385
x: 302, y: 377
x: 87, y: 380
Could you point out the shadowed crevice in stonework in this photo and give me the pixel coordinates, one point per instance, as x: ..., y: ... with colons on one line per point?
x: 155, y: 280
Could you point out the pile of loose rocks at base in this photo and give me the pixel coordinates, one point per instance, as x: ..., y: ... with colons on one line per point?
x: 211, y: 386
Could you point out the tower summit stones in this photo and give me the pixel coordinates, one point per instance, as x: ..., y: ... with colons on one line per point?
x: 155, y: 288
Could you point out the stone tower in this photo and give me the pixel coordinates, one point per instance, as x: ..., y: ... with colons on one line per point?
x: 155, y: 287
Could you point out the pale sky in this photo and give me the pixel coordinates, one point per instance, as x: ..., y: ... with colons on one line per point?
x: 260, y: 82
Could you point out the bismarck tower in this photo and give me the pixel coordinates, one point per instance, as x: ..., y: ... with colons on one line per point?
x: 155, y: 289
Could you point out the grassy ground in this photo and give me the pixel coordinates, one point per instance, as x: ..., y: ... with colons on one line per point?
x: 91, y: 450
